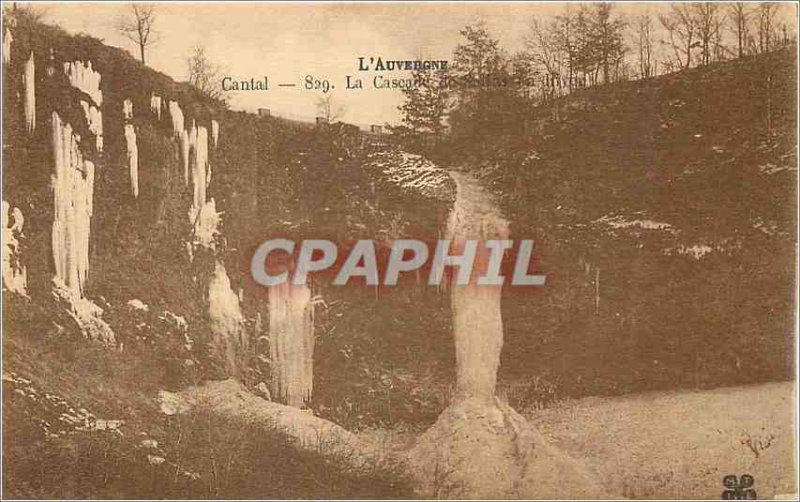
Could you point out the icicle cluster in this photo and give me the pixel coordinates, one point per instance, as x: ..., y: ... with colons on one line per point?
x: 73, y: 189
x: 94, y: 119
x: 83, y: 77
x: 133, y: 157
x: 291, y: 328
x: 155, y: 105
x: 14, y: 274
x: 29, y: 80
x: 73, y: 192
x: 127, y: 109
x: 223, y: 307
x: 7, y: 39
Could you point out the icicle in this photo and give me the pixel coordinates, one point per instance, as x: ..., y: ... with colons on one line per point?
x: 198, y: 140
x: 176, y: 114
x: 215, y: 132
x: 73, y: 187
x: 291, y: 328
x: 226, y: 319
x: 83, y: 77
x: 94, y: 119
x: 155, y: 105
x: 14, y: 274
x: 184, y: 138
x: 206, y: 225
x: 133, y: 158
x: 7, y: 39
x: 127, y: 109
x: 30, y: 94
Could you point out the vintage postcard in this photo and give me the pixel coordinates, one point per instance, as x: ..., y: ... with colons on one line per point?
x: 399, y: 250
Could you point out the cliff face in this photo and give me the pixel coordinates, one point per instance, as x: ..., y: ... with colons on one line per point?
x: 143, y: 202
x: 121, y: 176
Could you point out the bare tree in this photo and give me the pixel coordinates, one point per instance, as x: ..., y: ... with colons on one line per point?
x: 543, y: 51
x: 643, y: 29
x: 708, y: 22
x: 605, y: 40
x: 35, y: 14
x: 682, y: 31
x: 766, y: 25
x: 327, y: 109
x: 204, y: 75
x: 738, y: 13
x: 138, y: 26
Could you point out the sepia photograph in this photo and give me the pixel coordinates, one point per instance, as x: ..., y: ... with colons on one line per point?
x: 399, y: 250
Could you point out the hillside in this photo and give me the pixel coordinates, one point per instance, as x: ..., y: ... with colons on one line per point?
x: 664, y: 212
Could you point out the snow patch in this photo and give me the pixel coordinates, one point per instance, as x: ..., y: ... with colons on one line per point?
x: 766, y: 227
x: 137, y: 304
x: 413, y: 173
x: 696, y: 251
x: 621, y: 222
x: 176, y: 320
x: 769, y: 168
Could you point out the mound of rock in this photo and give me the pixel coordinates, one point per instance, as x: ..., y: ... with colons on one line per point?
x: 481, y: 449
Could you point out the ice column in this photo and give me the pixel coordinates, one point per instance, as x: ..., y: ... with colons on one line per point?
x: 133, y: 158
x: 291, y: 328
x: 155, y: 105
x: 127, y: 109
x: 7, y: 39
x: 94, y: 119
x: 29, y: 80
x: 226, y: 319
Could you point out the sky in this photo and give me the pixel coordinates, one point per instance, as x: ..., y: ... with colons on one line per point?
x: 289, y: 41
